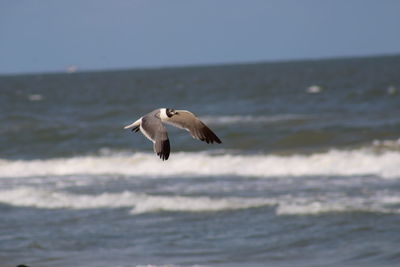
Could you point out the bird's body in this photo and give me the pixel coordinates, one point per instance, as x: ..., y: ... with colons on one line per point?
x: 151, y: 125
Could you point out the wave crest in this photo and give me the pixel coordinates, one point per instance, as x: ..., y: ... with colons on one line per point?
x: 249, y: 119
x: 332, y: 163
x: 140, y: 203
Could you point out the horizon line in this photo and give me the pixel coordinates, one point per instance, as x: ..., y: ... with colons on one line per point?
x: 195, y: 65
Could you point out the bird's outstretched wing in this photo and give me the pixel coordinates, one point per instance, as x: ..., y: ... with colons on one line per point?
x: 154, y: 130
x: 186, y: 120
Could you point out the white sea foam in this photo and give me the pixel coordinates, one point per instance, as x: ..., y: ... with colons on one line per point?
x: 249, y: 119
x: 387, y: 144
x: 35, y: 97
x: 306, y: 207
x: 140, y: 203
x: 314, y: 89
x: 144, y: 203
x: 377, y: 202
x: 333, y: 163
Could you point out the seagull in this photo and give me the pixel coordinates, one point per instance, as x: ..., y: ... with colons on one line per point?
x: 151, y: 125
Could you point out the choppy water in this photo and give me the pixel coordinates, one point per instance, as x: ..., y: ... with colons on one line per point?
x: 308, y: 173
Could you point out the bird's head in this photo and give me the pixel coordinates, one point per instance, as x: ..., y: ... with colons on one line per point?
x: 170, y: 112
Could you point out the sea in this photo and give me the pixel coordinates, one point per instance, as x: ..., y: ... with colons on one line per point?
x: 308, y: 172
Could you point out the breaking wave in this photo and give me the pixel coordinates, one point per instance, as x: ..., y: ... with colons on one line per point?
x: 140, y: 203
x: 364, y: 161
x: 144, y: 203
x: 240, y: 119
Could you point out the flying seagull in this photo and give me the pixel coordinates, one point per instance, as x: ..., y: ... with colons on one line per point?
x: 151, y: 126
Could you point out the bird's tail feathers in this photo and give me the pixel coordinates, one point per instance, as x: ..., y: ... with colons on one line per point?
x: 135, y: 126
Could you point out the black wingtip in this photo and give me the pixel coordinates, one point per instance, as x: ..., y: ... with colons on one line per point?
x: 163, y: 156
x: 210, y: 136
x: 163, y: 149
x: 135, y: 129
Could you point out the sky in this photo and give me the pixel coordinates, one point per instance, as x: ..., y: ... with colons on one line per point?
x: 50, y: 35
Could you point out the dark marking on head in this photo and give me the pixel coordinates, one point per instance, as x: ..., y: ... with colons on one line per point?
x: 170, y: 112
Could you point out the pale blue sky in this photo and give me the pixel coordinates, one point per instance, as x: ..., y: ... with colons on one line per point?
x: 49, y: 35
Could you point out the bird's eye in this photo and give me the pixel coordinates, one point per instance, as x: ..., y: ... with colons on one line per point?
x: 170, y: 112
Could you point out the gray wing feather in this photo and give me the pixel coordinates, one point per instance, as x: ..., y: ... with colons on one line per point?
x: 186, y: 120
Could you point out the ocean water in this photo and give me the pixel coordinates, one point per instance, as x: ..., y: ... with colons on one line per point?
x: 308, y: 173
